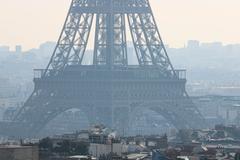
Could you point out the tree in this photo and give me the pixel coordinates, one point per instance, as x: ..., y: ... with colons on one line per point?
x: 46, y: 144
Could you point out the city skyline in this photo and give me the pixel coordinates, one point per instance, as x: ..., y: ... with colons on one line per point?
x: 188, y: 44
x: 33, y: 22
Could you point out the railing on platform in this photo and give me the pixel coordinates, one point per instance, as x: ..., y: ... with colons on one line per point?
x: 181, y: 74
x: 100, y: 73
x: 38, y: 73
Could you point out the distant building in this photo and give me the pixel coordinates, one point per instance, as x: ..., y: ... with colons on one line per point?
x: 157, y: 155
x: 18, y: 49
x: 4, y: 49
x: 193, y: 44
x: 213, y: 45
x: 98, y: 150
x: 19, y: 153
x: 157, y: 142
x: 47, y: 48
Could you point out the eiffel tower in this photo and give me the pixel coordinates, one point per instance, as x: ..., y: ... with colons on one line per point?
x: 109, y: 91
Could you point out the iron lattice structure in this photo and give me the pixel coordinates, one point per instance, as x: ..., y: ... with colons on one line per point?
x: 110, y: 90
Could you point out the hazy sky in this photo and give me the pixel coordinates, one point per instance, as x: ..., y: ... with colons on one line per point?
x: 31, y: 22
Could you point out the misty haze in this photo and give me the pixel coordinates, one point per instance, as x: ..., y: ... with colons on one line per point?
x: 125, y: 79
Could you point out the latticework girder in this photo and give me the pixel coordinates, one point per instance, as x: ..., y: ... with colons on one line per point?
x: 110, y: 6
x: 73, y: 40
x: 110, y: 47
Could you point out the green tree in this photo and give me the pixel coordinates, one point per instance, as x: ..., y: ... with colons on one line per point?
x: 46, y: 144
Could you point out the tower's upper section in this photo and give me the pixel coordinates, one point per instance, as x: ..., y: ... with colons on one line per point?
x: 113, y: 18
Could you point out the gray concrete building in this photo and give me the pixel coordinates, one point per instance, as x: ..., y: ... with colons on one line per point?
x: 19, y: 153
